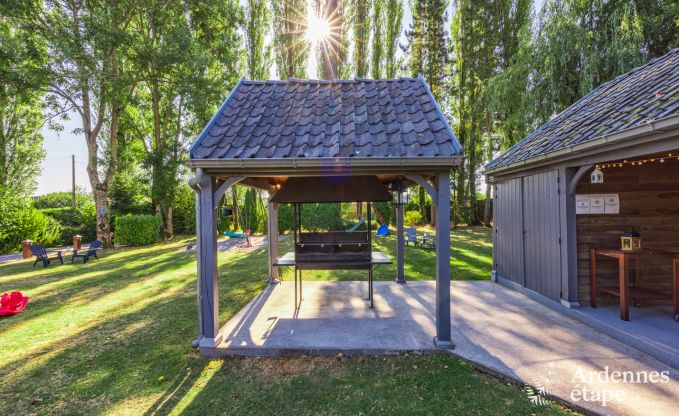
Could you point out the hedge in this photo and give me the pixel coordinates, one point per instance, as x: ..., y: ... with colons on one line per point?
x: 412, y: 218
x: 137, y: 230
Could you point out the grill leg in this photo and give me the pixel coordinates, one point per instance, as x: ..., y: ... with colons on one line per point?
x: 295, y: 288
x: 370, y: 282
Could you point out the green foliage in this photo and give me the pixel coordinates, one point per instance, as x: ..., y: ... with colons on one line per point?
x: 257, y: 26
x: 19, y: 220
x: 22, y: 55
x: 80, y: 221
x: 185, y: 211
x: 290, y: 46
x: 361, y: 23
x: 137, y: 230
x: 393, y: 33
x: 62, y: 200
x: 412, y: 218
x: 385, y: 209
x: 315, y: 217
x: 254, y: 216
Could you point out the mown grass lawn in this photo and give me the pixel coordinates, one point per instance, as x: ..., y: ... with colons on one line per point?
x: 114, y: 337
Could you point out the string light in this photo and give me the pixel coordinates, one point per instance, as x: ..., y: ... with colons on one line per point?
x: 639, y: 162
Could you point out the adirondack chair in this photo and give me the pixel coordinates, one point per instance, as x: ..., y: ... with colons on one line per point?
x: 91, y: 251
x: 411, y: 236
x: 38, y: 250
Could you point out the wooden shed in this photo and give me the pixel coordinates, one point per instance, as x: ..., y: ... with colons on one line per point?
x: 565, y: 195
x: 379, y: 136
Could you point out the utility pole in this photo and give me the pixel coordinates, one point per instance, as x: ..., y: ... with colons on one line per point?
x: 73, y: 177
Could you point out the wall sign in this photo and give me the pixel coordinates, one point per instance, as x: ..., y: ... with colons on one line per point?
x: 581, y: 204
x: 586, y: 204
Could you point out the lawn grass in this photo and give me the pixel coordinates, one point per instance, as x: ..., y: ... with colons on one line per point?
x: 114, y: 336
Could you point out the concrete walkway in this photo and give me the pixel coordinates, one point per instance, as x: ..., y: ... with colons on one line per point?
x: 494, y: 327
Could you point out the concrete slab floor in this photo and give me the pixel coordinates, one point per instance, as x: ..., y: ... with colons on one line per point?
x: 494, y: 327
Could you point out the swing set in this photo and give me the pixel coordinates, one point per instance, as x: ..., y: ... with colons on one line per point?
x: 244, y: 224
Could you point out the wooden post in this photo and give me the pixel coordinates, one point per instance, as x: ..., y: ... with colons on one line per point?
x: 272, y: 222
x: 400, y: 239
x: 207, y: 277
x: 568, y: 178
x: 443, y: 337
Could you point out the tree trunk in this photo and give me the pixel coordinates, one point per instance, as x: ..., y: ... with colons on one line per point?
x: 103, y: 215
x: 487, y: 208
x: 169, y: 228
x: 422, y: 203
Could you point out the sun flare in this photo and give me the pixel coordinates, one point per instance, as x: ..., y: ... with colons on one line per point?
x: 318, y: 29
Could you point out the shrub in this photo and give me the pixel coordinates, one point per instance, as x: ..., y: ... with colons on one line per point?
x: 19, y: 220
x: 412, y: 218
x: 62, y: 200
x: 315, y: 217
x: 81, y: 220
x: 137, y: 230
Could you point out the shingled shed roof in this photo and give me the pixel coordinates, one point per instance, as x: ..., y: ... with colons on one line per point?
x: 295, y: 119
x: 643, y: 95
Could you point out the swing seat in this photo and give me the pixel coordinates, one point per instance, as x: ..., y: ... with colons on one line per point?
x: 383, y: 230
x: 237, y: 235
x: 12, y: 303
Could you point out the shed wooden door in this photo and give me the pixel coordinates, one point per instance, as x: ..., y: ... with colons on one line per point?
x: 508, y: 231
x: 541, y: 234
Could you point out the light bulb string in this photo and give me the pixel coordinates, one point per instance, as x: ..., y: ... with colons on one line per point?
x: 638, y: 162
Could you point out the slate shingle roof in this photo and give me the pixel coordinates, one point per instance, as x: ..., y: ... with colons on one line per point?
x: 647, y: 93
x: 323, y: 119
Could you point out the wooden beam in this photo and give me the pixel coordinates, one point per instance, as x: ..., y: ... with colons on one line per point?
x: 568, y: 236
x: 208, y: 303
x: 443, y: 337
x: 223, y: 186
x: 400, y: 238
x: 419, y: 179
x: 272, y: 223
x: 575, y: 179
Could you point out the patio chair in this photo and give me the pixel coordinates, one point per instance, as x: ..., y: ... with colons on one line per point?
x: 411, y: 236
x: 91, y: 251
x: 429, y: 241
x: 38, y: 250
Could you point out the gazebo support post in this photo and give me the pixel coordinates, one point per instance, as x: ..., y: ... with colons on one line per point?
x: 272, y: 231
x: 443, y: 338
x: 400, y: 238
x: 207, y: 277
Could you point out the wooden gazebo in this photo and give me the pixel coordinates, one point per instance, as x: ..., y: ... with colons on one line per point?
x: 266, y: 133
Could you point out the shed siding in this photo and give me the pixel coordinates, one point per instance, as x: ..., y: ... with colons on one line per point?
x: 508, y: 236
x: 541, y: 234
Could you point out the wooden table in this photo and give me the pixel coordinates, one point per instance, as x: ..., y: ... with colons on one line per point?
x: 623, y: 290
x: 377, y: 259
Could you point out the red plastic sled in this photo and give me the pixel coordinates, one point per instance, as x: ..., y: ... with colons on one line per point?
x: 12, y: 303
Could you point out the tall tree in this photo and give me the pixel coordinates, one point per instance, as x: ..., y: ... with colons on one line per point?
x: 361, y: 29
x: 88, y: 70
x: 185, y: 54
x: 393, y: 33
x: 378, y: 26
x: 333, y: 52
x: 290, y: 46
x: 428, y: 50
x: 473, y: 31
x: 22, y: 56
x: 257, y: 26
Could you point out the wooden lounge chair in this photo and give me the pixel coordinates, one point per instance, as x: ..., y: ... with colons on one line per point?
x: 38, y: 250
x: 411, y: 236
x: 91, y: 251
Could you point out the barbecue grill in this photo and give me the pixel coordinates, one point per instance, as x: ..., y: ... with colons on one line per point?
x: 332, y: 250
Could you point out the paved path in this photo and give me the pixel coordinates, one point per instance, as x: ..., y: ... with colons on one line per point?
x: 493, y: 326
x: 516, y: 336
